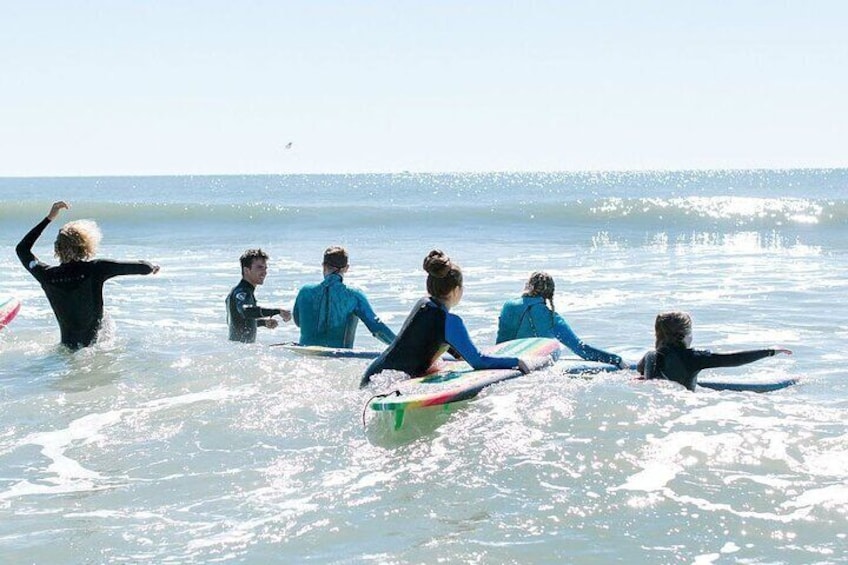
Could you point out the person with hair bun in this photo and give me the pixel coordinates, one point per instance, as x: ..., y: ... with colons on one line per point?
x: 74, y: 288
x: 674, y: 359
x: 534, y: 315
x: 430, y: 330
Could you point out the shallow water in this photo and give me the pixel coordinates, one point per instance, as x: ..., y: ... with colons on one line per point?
x: 165, y: 442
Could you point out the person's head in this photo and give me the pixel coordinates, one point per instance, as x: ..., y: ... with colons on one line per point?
x: 77, y: 241
x: 335, y: 260
x: 541, y: 284
x: 673, y: 328
x: 254, y: 266
x: 444, y: 278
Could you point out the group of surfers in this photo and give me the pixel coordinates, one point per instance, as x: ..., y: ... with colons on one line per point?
x: 327, y: 313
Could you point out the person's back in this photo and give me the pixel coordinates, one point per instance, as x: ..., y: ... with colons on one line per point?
x: 328, y: 312
x: 531, y: 316
x: 523, y: 317
x: 75, y: 292
x: 422, y: 341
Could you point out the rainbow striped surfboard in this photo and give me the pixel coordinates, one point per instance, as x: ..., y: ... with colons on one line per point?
x: 458, y: 381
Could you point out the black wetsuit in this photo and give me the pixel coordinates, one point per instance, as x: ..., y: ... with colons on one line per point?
x: 75, y: 289
x: 243, y: 315
x: 427, y: 333
x: 682, y: 365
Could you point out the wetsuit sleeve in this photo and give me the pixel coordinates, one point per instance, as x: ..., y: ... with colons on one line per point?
x: 251, y: 311
x: 296, y: 309
x: 109, y: 269
x: 377, y: 328
x: 457, y: 336
x: 503, y: 334
x: 566, y: 335
x: 647, y: 365
x: 24, y: 248
x: 706, y: 359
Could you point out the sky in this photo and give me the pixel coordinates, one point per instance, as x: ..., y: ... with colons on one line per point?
x: 114, y: 87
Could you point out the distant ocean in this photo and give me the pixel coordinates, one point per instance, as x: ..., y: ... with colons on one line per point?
x: 166, y: 443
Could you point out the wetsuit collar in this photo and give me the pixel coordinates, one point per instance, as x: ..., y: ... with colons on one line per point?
x: 532, y: 299
x: 246, y: 282
x: 332, y: 278
x: 438, y: 303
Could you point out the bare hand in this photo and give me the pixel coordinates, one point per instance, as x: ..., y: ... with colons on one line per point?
x: 782, y: 350
x: 155, y: 269
x: 56, y: 208
x: 271, y: 323
x: 285, y: 315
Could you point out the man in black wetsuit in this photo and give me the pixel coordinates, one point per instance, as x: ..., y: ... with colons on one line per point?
x: 243, y: 314
x: 74, y: 288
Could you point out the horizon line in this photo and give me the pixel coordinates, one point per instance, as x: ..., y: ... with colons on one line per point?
x: 433, y: 173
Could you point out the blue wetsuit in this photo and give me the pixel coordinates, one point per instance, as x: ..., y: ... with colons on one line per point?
x: 243, y: 314
x: 529, y: 316
x: 682, y: 364
x: 327, y: 314
x: 75, y: 289
x: 427, y: 333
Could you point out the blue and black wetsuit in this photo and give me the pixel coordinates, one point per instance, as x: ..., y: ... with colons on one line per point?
x: 529, y: 316
x: 427, y: 333
x: 75, y: 289
x: 682, y: 365
x: 243, y: 315
x: 327, y: 314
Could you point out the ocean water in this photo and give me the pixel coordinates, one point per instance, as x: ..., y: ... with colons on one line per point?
x: 166, y: 443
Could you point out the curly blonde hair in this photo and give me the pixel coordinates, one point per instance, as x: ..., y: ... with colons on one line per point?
x: 77, y: 241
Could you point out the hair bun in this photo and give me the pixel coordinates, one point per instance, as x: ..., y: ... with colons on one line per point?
x: 437, y: 264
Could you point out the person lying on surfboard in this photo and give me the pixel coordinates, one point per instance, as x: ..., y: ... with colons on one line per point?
x: 431, y: 329
x: 243, y: 314
x: 533, y: 315
x: 674, y: 359
x: 74, y: 288
x: 327, y: 313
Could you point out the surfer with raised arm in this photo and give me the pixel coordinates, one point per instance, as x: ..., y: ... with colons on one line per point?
x: 243, y: 314
x: 430, y: 330
x: 534, y: 315
x: 327, y: 313
x: 74, y: 288
x: 674, y: 359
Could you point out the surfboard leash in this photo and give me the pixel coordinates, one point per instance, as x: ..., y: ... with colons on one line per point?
x: 395, y: 392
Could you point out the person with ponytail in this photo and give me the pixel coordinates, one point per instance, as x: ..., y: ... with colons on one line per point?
x: 430, y: 330
x: 533, y: 315
x: 674, y: 359
x: 74, y: 288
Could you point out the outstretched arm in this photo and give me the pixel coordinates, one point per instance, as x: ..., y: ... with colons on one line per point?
x: 566, y: 335
x: 111, y: 269
x: 707, y: 359
x: 457, y: 336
